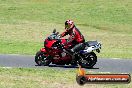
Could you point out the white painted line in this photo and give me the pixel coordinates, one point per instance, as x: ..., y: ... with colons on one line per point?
x: 105, y: 72
x: 116, y: 58
x: 7, y: 67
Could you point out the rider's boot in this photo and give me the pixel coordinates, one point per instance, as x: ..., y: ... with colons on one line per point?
x: 74, y: 55
x: 74, y: 51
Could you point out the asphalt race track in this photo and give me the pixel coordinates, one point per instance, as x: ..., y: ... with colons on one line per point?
x: 103, y: 65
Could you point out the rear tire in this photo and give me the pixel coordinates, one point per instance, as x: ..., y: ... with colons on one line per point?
x: 41, y: 59
x: 88, y: 60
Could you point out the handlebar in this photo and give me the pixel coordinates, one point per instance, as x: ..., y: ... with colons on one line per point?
x: 54, y: 35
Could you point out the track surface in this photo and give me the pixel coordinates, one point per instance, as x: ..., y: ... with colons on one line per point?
x: 103, y: 65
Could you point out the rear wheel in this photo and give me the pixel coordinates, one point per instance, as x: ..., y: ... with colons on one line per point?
x: 88, y: 60
x: 41, y: 59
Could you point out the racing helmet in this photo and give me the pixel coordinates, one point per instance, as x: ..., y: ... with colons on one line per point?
x: 69, y: 24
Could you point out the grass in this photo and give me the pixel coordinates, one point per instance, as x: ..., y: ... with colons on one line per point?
x: 56, y: 78
x: 24, y: 24
x: 32, y: 78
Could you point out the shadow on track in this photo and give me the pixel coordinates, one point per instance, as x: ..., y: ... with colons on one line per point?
x: 66, y: 66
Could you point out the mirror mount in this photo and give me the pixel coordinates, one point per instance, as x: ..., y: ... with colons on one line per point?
x: 54, y: 31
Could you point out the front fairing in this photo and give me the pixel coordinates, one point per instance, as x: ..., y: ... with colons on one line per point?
x: 49, y: 43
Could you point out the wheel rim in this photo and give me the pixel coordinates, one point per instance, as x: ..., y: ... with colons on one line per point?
x: 88, y: 61
x: 41, y: 59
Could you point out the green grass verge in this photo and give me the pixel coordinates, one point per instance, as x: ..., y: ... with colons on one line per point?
x: 45, y: 78
x: 24, y: 24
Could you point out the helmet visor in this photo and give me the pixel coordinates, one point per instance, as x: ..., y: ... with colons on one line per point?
x: 66, y: 26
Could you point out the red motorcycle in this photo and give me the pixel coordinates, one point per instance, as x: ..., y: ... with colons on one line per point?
x: 54, y: 52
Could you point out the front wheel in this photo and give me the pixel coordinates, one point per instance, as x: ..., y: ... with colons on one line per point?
x: 88, y: 60
x: 41, y: 59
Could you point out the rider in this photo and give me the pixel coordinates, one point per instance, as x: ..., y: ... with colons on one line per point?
x: 76, y: 38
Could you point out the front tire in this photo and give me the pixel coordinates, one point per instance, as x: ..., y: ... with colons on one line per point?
x: 41, y: 59
x: 88, y: 60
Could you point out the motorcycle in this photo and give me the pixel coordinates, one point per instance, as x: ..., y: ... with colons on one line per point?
x: 54, y: 52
